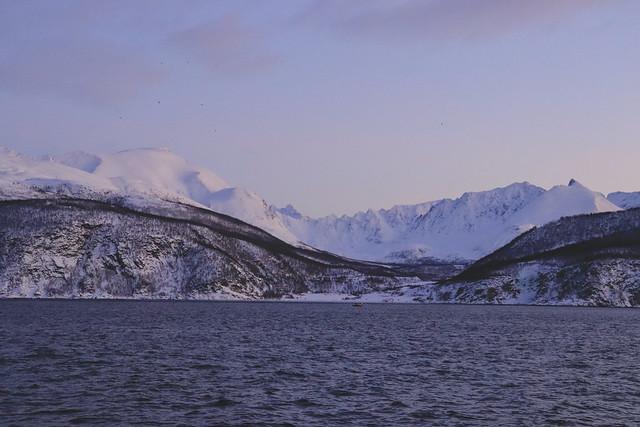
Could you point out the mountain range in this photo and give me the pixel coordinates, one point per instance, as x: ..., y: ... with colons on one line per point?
x: 88, y: 248
x: 465, y: 228
x: 146, y: 223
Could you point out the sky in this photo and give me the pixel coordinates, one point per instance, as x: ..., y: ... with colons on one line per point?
x: 334, y: 106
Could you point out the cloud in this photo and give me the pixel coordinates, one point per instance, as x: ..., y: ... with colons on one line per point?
x: 95, y: 72
x: 73, y: 50
x: 105, y: 53
x: 225, y: 45
x: 439, y: 19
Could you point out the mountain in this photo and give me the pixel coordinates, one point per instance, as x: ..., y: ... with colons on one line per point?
x: 249, y: 207
x: 581, y: 260
x: 371, y: 235
x: 459, y: 230
x: 625, y: 200
x: 64, y: 247
x: 466, y: 228
x: 148, y: 169
x: 475, y: 223
x: 561, y: 201
x: 147, y: 224
x: 161, y: 173
x: 20, y: 175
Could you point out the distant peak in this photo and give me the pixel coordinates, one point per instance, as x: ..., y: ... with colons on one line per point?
x: 573, y: 182
x: 289, y: 210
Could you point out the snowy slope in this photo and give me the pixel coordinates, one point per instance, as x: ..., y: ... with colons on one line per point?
x: 478, y: 223
x: 474, y: 224
x: 251, y: 208
x: 565, y: 200
x: 468, y: 227
x: 149, y: 168
x: 161, y: 173
x: 625, y: 200
x: 577, y: 260
x: 20, y: 176
x: 366, y: 235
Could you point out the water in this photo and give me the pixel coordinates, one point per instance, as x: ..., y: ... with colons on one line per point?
x: 203, y: 363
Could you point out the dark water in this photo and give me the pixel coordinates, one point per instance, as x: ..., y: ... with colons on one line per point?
x: 201, y: 363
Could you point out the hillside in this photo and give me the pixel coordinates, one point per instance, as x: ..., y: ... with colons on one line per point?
x: 91, y: 249
x: 581, y: 260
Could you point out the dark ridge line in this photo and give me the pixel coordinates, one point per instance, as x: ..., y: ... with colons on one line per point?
x: 481, y: 268
x: 577, y: 251
x: 313, y: 249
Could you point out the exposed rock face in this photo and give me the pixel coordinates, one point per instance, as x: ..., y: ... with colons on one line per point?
x: 606, y: 282
x: 82, y: 248
x: 581, y: 260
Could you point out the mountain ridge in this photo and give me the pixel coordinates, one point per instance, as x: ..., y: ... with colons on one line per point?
x: 63, y: 247
x: 590, y: 259
x: 69, y: 233
x: 464, y: 228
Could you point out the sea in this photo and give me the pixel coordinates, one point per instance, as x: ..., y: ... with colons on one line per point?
x: 110, y: 362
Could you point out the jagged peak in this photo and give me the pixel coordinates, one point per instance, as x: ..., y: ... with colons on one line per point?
x: 236, y: 192
x: 290, y: 211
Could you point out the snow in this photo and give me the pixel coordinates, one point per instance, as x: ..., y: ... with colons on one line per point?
x: 406, y: 294
x: 161, y: 173
x: 251, y: 208
x: 368, y: 235
x: 290, y: 211
x: 562, y: 201
x: 79, y: 160
x: 151, y: 168
x: 625, y: 200
x: 16, y: 168
x: 468, y: 227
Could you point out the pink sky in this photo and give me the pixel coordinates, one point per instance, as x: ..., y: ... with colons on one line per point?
x: 334, y: 106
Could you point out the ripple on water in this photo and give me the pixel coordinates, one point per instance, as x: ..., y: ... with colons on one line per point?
x: 305, y: 403
x: 221, y: 403
x: 44, y: 352
x: 341, y: 393
x: 316, y: 364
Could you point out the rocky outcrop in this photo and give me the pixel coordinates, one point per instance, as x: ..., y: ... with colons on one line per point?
x: 581, y: 260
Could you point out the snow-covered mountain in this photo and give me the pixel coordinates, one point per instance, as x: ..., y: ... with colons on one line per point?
x: 19, y: 173
x: 578, y: 260
x: 478, y: 223
x: 66, y: 248
x: 159, y: 173
x: 144, y: 175
x: 148, y: 168
x: 468, y: 227
x: 625, y: 200
x: 371, y: 235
